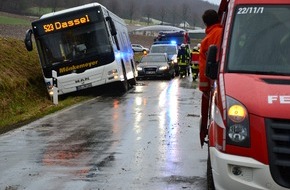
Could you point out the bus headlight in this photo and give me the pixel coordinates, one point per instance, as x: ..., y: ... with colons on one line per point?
x: 139, y: 69
x: 237, y: 124
x: 113, y: 72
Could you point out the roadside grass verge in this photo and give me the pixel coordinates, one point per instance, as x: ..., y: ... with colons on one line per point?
x: 23, y: 95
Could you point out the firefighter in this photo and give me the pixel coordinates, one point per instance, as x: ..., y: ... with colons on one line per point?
x: 195, y: 63
x: 188, y: 58
x: 213, y: 36
x: 198, y: 46
x: 182, y: 58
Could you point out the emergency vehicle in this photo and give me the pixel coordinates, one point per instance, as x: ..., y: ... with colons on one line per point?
x: 248, y: 132
x: 173, y: 37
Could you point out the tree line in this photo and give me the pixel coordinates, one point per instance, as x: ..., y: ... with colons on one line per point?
x: 167, y: 11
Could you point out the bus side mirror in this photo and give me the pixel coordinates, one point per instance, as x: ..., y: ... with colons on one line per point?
x: 28, y: 41
x: 211, y: 70
x: 112, y: 26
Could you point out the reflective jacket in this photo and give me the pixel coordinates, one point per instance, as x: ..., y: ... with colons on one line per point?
x: 182, y: 56
x: 213, y: 36
x: 195, y: 57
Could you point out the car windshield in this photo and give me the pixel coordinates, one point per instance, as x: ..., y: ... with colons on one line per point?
x: 154, y: 58
x: 260, y: 40
x: 164, y: 49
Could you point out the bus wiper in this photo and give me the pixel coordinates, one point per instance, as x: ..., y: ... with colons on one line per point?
x: 61, y: 62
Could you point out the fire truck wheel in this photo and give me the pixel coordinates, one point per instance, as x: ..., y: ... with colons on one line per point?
x: 210, y: 182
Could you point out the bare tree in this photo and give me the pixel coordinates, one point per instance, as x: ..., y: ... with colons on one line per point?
x: 115, y: 6
x: 147, y: 10
x: 2, y: 4
x: 53, y: 5
x: 162, y: 13
x: 185, y: 12
x: 131, y: 9
x: 174, y: 15
x: 194, y: 19
x: 74, y: 3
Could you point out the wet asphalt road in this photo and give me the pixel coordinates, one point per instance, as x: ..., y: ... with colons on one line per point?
x: 146, y: 139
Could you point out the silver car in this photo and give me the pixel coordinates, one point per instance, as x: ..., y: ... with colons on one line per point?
x: 139, y: 48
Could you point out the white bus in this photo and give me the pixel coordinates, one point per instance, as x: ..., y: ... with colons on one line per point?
x: 86, y: 46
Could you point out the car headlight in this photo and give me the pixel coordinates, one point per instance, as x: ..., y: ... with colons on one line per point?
x: 163, y: 68
x: 175, y: 60
x: 139, y: 69
x: 238, y: 132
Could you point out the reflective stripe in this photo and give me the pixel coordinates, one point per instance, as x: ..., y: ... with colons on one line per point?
x: 194, y: 66
x: 203, y: 84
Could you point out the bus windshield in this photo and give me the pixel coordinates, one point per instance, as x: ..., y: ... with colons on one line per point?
x: 77, y: 43
x: 260, y: 40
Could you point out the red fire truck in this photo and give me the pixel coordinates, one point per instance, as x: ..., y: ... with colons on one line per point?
x: 248, y: 131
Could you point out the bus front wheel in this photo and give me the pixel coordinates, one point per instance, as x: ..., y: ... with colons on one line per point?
x: 124, y: 87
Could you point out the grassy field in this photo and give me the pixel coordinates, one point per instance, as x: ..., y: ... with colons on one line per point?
x: 13, y: 21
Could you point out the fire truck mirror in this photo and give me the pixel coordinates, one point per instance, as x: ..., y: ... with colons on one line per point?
x: 211, y: 63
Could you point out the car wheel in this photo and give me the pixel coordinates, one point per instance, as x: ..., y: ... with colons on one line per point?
x: 169, y: 77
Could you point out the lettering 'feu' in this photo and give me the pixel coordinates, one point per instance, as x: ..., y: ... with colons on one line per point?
x: 66, y: 24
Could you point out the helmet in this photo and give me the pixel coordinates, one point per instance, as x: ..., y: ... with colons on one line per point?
x: 195, y: 48
x: 198, y: 45
x: 182, y: 45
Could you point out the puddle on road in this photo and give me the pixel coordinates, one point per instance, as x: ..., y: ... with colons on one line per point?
x: 188, y: 83
x: 187, y: 182
x: 141, y: 84
x: 192, y: 115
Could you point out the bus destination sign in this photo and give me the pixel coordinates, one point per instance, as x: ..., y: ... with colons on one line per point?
x: 59, y: 25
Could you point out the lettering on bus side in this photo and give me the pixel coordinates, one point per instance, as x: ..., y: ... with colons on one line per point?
x: 76, y: 67
x: 82, y: 80
x: 50, y: 27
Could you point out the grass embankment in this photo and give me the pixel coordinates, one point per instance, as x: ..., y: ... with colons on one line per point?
x: 23, y: 96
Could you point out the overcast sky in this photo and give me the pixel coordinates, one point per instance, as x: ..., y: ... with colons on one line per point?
x: 216, y: 2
